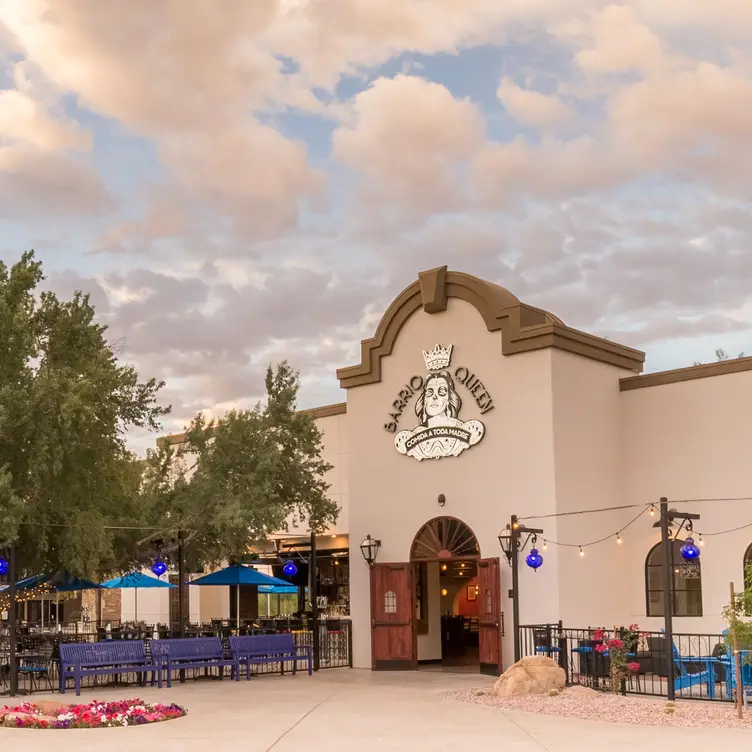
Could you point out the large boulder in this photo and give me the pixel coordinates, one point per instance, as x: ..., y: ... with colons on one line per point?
x: 536, y: 675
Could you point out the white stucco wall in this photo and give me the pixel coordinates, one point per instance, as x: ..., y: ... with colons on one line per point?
x: 690, y: 440
x: 587, y: 431
x: 510, y: 470
x: 429, y: 645
x: 334, y: 451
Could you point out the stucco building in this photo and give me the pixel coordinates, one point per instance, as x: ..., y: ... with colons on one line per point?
x: 469, y: 406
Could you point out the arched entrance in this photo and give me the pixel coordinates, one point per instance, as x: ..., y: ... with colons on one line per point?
x: 444, y: 605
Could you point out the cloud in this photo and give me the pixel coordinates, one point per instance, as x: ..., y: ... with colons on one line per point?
x: 620, y: 43
x: 191, y: 83
x: 408, y: 137
x: 36, y: 182
x: 607, y: 181
x: 543, y: 111
x: 23, y: 119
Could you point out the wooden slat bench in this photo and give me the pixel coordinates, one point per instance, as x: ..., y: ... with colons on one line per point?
x: 109, y: 657
x: 275, y: 648
x: 191, y: 652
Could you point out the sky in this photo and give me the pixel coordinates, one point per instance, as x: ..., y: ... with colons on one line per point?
x: 239, y: 183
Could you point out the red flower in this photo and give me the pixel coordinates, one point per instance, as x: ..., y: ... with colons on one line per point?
x: 599, y: 634
x: 634, y: 627
x: 633, y: 666
x: 616, y: 644
x: 601, y: 648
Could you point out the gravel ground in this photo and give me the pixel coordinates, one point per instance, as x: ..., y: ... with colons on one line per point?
x: 587, y: 704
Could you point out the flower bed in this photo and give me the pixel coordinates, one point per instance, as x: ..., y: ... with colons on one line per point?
x: 53, y: 715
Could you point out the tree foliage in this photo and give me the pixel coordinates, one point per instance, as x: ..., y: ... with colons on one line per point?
x: 66, y: 404
x: 738, y: 616
x: 720, y: 356
x: 237, y: 479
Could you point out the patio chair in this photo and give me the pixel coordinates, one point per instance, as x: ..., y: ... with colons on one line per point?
x: 693, y: 671
x: 38, y: 667
x: 728, y: 662
x: 543, y: 641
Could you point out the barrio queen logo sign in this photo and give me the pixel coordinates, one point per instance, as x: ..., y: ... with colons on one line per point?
x: 440, y: 432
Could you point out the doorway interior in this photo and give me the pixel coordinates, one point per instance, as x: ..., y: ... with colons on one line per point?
x: 444, y: 557
x: 454, y: 584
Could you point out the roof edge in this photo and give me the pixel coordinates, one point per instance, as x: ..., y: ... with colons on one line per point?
x: 689, y: 373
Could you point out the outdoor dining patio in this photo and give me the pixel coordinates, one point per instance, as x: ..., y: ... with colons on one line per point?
x: 36, y: 651
x: 702, y: 666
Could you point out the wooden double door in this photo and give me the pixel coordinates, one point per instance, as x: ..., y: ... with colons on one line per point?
x: 393, y: 609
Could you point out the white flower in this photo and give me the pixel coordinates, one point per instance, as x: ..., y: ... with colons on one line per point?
x: 104, y: 719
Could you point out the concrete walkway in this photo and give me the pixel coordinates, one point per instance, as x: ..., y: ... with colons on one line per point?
x: 345, y: 709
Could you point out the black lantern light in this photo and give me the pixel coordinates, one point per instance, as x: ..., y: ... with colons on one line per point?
x: 370, y: 549
x: 505, y: 540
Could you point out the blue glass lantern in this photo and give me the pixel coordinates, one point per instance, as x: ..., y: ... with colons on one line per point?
x: 3, y: 565
x: 534, y: 559
x: 689, y: 551
x: 159, y: 567
x: 290, y: 569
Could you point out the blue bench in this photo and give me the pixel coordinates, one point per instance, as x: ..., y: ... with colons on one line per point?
x: 275, y: 648
x: 191, y: 652
x: 110, y: 657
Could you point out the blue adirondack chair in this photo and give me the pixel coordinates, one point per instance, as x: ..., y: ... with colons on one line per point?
x: 692, y: 678
x: 687, y: 678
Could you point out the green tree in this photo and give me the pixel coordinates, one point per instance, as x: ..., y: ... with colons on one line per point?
x: 738, y: 616
x: 237, y: 479
x: 66, y: 404
x: 721, y: 355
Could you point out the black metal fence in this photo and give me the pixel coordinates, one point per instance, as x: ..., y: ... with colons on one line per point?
x: 38, y: 653
x: 700, y: 666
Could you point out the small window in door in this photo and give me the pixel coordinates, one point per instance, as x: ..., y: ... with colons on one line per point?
x: 390, y: 602
x: 489, y: 605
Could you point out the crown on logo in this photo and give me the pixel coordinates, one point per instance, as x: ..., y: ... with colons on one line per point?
x: 438, y: 358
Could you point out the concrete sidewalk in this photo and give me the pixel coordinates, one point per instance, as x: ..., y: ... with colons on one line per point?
x: 358, y: 711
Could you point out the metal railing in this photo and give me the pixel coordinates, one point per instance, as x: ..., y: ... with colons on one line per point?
x: 35, y: 650
x: 700, y: 667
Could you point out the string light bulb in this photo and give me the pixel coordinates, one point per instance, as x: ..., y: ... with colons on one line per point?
x: 652, y: 510
x: 701, y: 541
x: 582, y: 553
x: 545, y: 546
x: 618, y: 539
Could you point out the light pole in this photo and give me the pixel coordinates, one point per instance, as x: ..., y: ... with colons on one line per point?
x: 13, y: 689
x: 667, y: 517
x: 509, y: 538
x: 313, y: 593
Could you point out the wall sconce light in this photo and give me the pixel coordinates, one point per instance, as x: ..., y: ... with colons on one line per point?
x: 370, y: 549
x: 442, y: 500
x: 444, y: 592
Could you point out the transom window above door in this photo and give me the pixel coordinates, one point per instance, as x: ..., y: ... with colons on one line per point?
x: 444, y: 538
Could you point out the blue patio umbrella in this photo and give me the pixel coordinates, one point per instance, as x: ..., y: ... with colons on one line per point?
x: 62, y: 582
x: 238, y: 574
x: 135, y: 580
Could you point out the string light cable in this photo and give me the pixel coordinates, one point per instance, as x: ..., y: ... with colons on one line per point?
x: 617, y: 535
